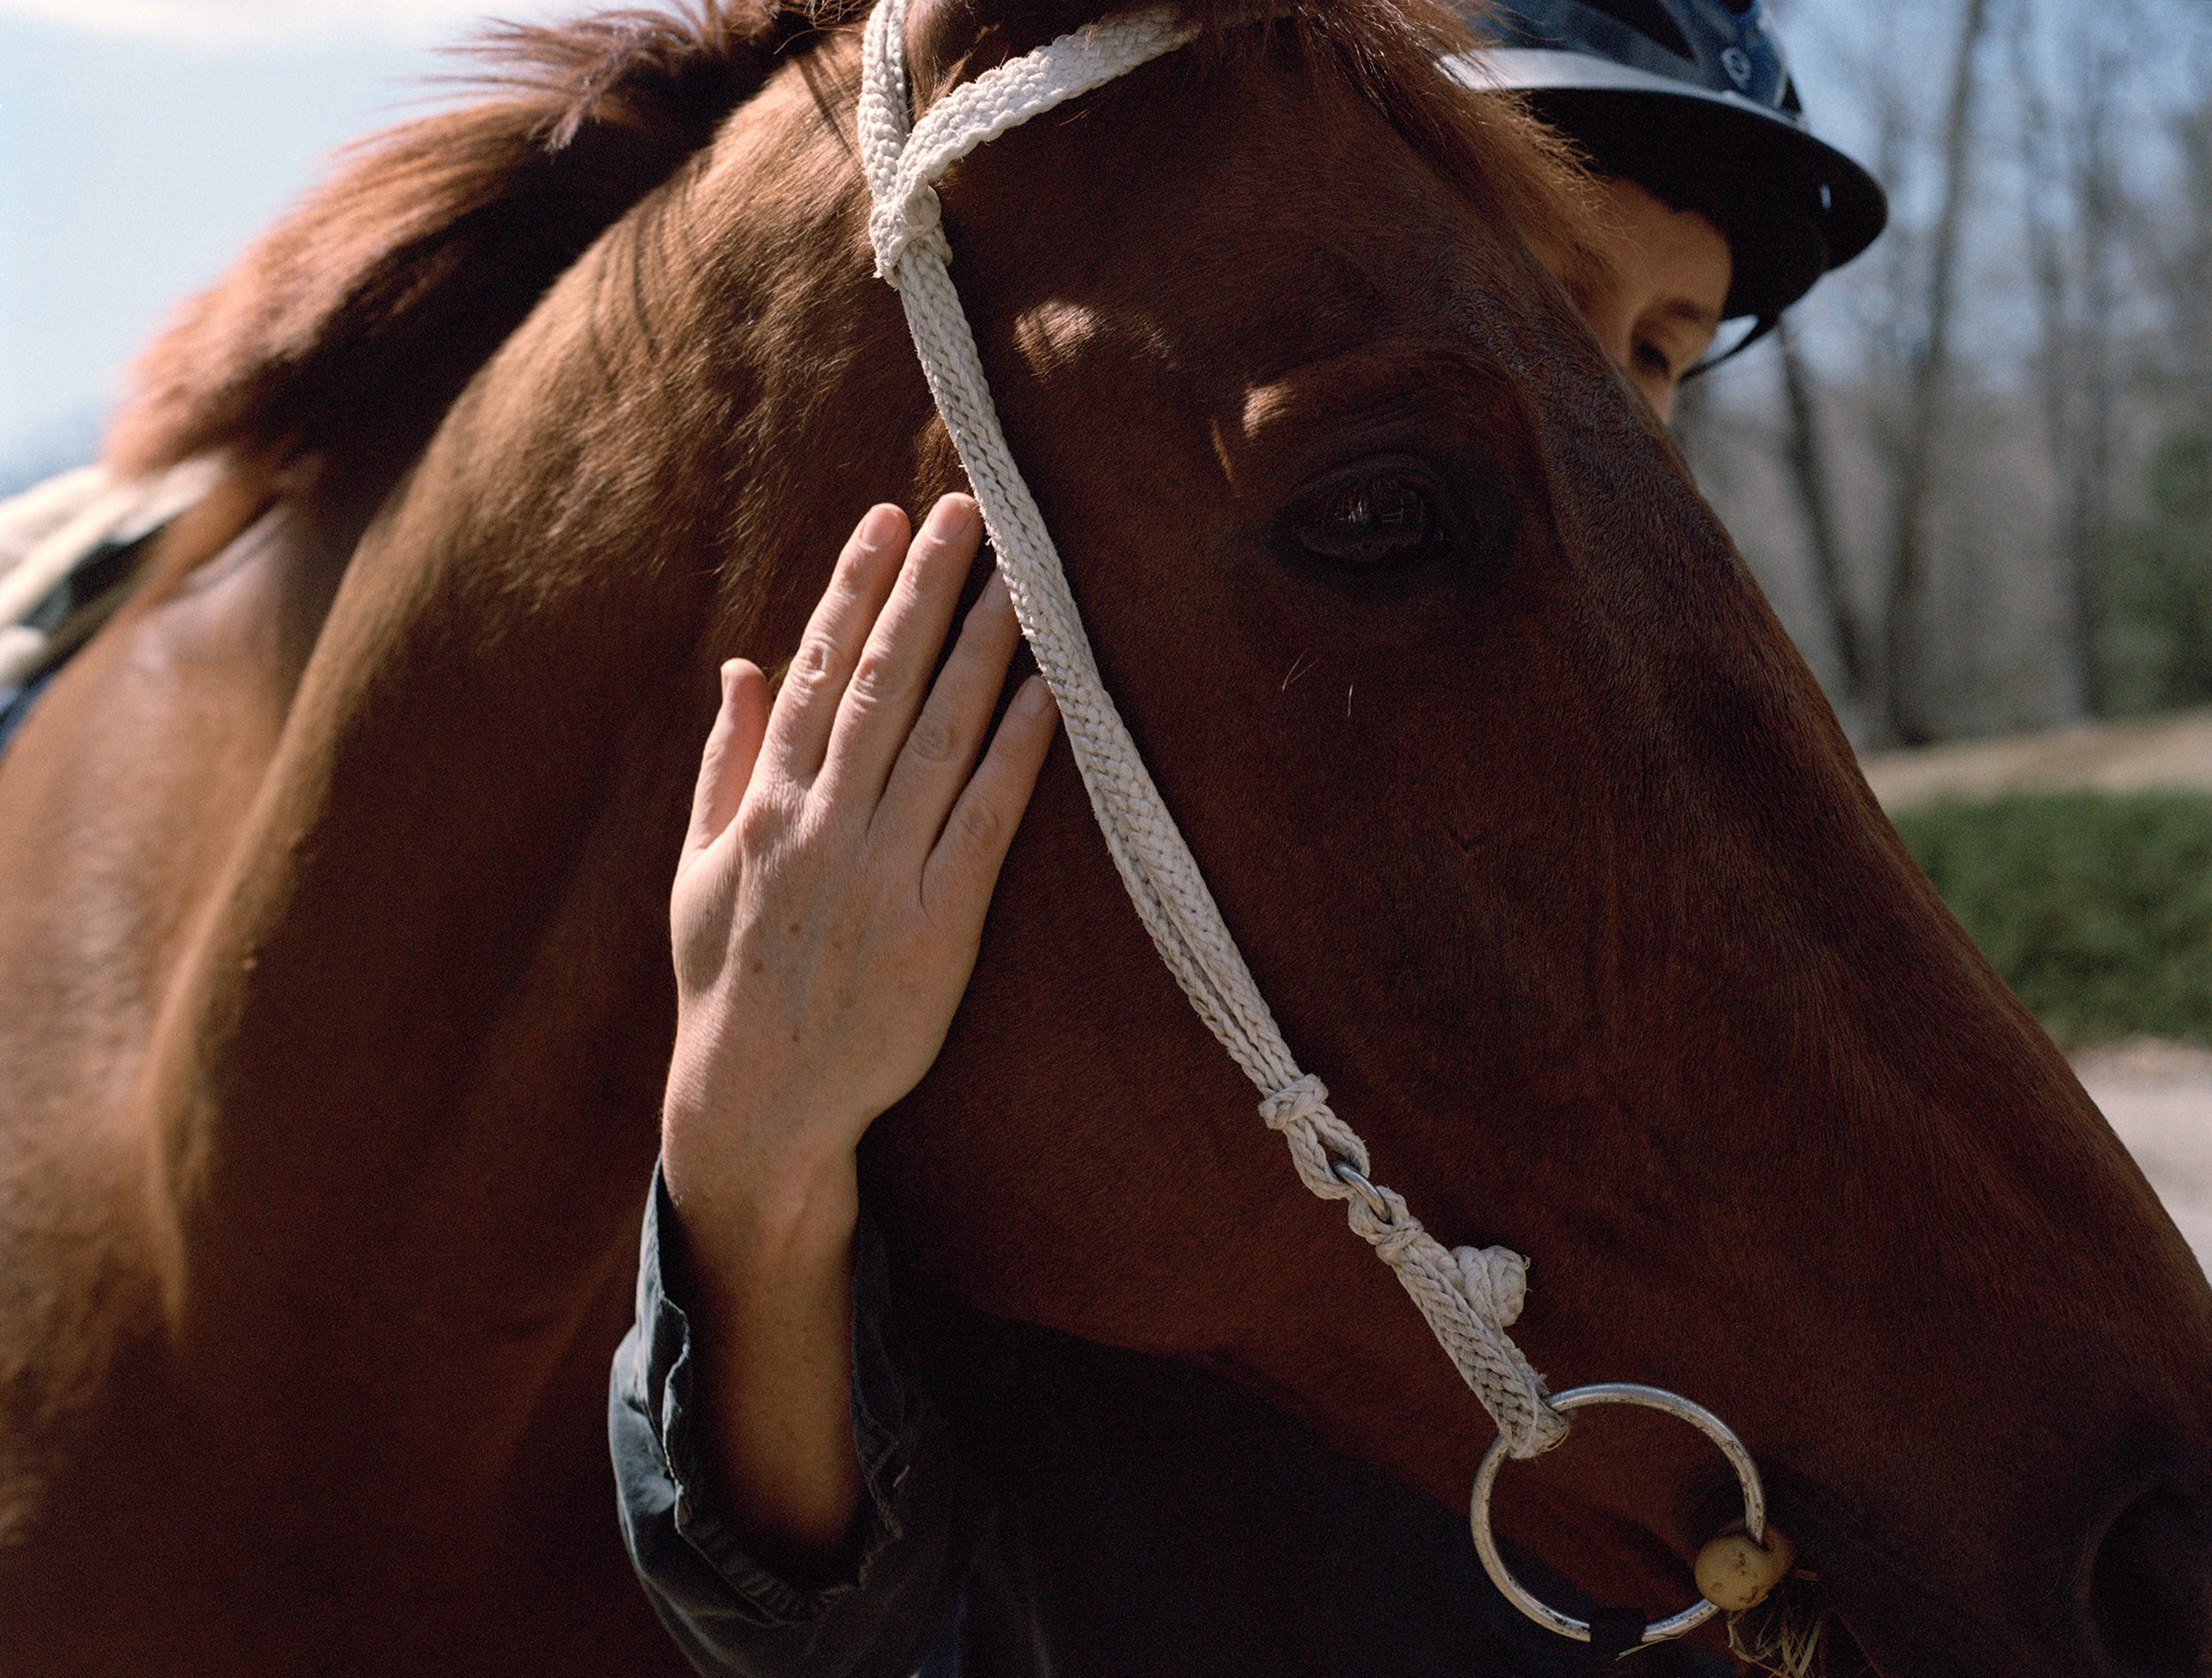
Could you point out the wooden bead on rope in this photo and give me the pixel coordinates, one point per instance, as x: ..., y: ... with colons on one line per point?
x: 1735, y: 1572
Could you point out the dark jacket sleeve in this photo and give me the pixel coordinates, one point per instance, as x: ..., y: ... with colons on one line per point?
x: 896, y: 1592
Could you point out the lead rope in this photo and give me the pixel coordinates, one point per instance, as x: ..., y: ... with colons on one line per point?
x: 1469, y: 1297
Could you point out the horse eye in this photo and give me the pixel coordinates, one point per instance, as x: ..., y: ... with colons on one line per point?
x: 1371, y: 517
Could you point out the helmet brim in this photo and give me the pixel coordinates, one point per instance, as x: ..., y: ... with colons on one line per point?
x: 1793, y: 206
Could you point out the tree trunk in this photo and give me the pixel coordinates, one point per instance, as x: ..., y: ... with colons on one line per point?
x: 1928, y: 389
x: 2097, y: 191
x: 2050, y: 265
x: 1805, y: 452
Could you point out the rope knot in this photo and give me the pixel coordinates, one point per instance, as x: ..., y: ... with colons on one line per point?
x: 1395, y: 1236
x: 900, y: 224
x: 1295, y: 1103
x: 1320, y: 1143
x: 1495, y: 1281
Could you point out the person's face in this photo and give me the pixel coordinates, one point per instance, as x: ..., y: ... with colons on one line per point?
x: 1669, y: 279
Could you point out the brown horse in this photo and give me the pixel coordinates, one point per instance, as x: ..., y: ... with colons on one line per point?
x: 333, y: 1004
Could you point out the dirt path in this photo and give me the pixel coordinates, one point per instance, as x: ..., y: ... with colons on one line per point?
x: 2159, y: 1097
x: 2113, y: 757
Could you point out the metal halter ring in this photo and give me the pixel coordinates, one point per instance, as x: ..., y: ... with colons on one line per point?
x: 1359, y: 1185
x: 1755, y: 1506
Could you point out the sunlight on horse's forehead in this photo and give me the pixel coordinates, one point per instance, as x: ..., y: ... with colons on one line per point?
x: 1055, y: 333
x: 1265, y: 405
x: 1056, y: 336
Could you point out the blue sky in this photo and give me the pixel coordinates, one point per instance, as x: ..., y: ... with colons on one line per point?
x: 143, y: 142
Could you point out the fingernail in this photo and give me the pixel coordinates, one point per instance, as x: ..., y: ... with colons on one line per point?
x: 880, y: 527
x: 1034, y: 699
x: 994, y: 597
x: 951, y: 516
x: 729, y: 677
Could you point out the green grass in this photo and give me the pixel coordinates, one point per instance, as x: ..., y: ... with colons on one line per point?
x: 2096, y: 908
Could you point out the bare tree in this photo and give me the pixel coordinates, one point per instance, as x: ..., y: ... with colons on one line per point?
x: 1805, y: 452
x: 2169, y: 240
x: 2076, y: 204
x: 1928, y: 389
x: 2176, y: 249
x: 1929, y: 386
x: 1934, y: 479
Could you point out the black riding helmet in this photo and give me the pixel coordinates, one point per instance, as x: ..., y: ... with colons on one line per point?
x: 1693, y: 100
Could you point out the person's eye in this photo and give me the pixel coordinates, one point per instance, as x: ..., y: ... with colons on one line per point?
x: 1371, y: 516
x: 1653, y: 362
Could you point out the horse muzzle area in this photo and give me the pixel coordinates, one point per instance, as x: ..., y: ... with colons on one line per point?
x: 2135, y: 1601
x: 2146, y: 1601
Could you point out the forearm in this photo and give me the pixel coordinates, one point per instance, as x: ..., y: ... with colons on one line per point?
x: 870, y: 1612
x: 769, y: 1257
x: 827, y: 909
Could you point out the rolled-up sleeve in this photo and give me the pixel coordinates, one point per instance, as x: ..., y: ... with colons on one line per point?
x: 892, y: 1599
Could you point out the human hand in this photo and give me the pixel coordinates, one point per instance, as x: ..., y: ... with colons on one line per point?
x: 829, y: 902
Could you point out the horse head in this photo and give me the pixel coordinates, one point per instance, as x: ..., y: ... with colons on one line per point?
x: 1535, y: 832
x: 1553, y: 862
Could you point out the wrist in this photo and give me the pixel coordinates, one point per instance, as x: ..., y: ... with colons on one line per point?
x: 781, y: 1205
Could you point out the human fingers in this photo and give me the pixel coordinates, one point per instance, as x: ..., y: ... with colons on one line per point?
x: 887, y: 685
x: 725, y: 767
x: 806, y: 705
x: 940, y: 748
x: 964, y: 869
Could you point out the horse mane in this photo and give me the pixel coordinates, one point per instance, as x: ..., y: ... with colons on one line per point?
x: 375, y: 300
x: 365, y: 310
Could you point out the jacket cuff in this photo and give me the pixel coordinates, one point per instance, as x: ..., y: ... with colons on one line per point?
x: 679, y: 1537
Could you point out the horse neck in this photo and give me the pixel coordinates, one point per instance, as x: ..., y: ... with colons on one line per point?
x: 405, y: 1094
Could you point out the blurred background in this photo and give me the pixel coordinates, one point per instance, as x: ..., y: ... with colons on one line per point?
x: 1977, y: 475
x: 1974, y: 474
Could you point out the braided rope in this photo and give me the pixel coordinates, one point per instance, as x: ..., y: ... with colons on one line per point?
x: 1469, y: 1298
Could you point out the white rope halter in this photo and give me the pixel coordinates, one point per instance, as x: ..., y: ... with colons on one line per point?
x: 1469, y: 1297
